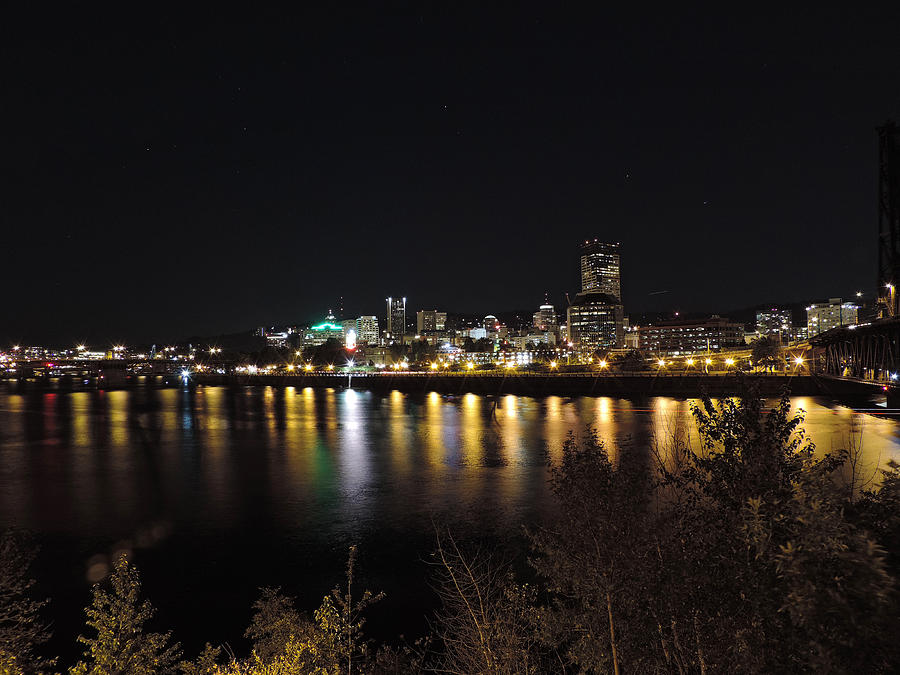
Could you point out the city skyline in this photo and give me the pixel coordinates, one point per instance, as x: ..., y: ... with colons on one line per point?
x: 209, y: 175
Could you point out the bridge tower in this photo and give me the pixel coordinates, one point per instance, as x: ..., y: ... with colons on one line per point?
x: 889, y: 219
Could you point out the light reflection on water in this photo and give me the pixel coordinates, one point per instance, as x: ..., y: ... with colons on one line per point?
x: 294, y: 475
x: 201, y: 454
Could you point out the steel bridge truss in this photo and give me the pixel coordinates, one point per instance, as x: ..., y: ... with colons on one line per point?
x: 870, y: 352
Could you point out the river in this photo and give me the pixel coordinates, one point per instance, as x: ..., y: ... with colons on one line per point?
x: 217, y: 491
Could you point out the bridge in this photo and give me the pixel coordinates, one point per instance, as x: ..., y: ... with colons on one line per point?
x: 866, y: 355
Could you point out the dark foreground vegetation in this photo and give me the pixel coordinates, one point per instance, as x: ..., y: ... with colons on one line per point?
x: 744, y: 555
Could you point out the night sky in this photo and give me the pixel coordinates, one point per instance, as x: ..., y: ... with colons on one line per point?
x: 170, y: 175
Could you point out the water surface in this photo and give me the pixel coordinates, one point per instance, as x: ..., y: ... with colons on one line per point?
x: 219, y: 490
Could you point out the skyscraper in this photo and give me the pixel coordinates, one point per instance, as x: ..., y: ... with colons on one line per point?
x: 600, y: 268
x: 396, y: 317
x: 595, y: 322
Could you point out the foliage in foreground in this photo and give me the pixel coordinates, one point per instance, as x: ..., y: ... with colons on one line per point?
x: 22, y: 631
x: 740, y: 554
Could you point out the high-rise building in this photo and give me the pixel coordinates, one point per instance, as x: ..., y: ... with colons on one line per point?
x: 822, y: 316
x: 545, y: 318
x: 429, y: 320
x: 776, y: 323
x: 490, y: 323
x: 600, y: 268
x: 596, y: 321
x: 367, y: 330
x: 396, y: 318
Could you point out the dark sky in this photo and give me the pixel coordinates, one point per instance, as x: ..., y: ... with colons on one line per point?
x: 169, y: 174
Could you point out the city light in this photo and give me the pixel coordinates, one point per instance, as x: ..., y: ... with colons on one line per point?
x: 290, y: 367
x: 708, y: 362
x: 251, y: 369
x: 308, y: 367
x: 330, y: 366
x: 434, y: 366
x: 470, y: 365
x: 690, y: 362
x: 553, y: 364
x: 602, y: 364
x: 799, y: 360
x: 661, y: 363
x: 729, y: 361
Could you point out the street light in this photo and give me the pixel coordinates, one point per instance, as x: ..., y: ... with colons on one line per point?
x: 799, y: 360
x: 470, y: 365
x: 602, y: 364
x: 729, y: 361
x: 553, y: 364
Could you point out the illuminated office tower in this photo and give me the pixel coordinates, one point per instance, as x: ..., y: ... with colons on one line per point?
x: 396, y: 318
x: 600, y: 268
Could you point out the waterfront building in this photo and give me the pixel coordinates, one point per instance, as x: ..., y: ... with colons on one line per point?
x: 367, y: 330
x: 822, y: 316
x: 395, y: 326
x: 600, y: 268
x: 775, y: 322
x: 688, y: 336
x: 595, y: 321
x: 430, y: 320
